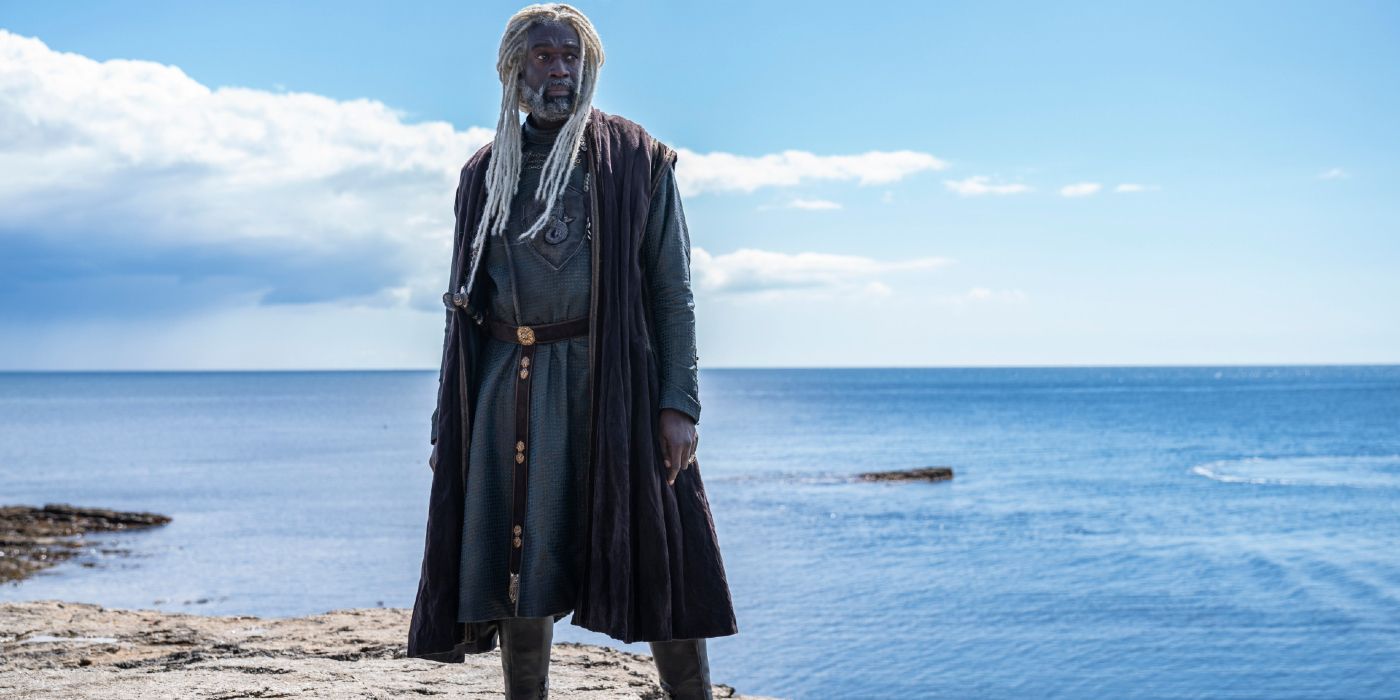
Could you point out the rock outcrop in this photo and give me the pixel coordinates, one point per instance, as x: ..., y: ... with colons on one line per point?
x: 35, y: 538
x: 920, y: 474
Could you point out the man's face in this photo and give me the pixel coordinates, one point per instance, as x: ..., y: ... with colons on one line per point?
x: 550, y: 72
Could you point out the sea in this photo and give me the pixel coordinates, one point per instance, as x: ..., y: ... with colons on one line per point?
x: 1109, y: 532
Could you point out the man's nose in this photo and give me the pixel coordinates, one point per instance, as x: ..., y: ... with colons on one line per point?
x: 558, y: 68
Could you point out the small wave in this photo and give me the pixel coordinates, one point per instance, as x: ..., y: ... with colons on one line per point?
x: 1364, y: 472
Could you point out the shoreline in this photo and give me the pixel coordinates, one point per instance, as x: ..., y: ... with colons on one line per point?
x: 53, y: 648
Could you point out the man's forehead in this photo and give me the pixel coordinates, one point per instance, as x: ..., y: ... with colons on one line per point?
x: 552, y: 33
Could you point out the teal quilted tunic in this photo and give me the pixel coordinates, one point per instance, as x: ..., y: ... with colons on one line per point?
x: 553, y: 275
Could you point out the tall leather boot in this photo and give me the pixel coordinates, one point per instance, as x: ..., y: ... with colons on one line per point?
x: 684, y: 668
x: 525, y: 646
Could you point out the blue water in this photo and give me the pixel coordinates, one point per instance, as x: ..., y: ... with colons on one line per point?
x: 1228, y: 532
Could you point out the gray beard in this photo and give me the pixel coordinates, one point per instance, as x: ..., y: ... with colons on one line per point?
x: 545, y: 107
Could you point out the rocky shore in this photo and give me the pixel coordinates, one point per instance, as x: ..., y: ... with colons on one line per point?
x: 55, y: 649
x: 52, y: 649
x: 36, y: 538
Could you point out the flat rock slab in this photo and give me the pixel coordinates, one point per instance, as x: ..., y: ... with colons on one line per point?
x: 36, y: 538
x: 920, y: 474
x: 52, y: 649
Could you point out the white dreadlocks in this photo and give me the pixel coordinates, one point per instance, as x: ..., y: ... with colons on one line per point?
x: 503, y: 174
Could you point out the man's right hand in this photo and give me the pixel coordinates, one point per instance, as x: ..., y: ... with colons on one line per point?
x: 432, y: 459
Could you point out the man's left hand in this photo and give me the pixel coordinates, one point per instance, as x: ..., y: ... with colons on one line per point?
x: 678, y: 442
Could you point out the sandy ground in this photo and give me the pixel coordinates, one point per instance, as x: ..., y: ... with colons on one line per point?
x: 53, y: 649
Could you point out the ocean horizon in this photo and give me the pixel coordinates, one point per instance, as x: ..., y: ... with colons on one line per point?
x: 1122, y: 531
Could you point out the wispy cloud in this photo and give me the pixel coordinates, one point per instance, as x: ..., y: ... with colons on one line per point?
x: 725, y: 172
x: 979, y: 185
x: 984, y: 295
x: 813, y: 204
x: 1133, y: 187
x: 748, y: 270
x: 1080, y: 189
x: 1333, y: 174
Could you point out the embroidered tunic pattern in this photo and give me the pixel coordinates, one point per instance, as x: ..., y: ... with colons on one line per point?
x: 553, y: 271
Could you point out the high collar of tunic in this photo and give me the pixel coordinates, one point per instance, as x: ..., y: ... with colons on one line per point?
x: 539, y: 134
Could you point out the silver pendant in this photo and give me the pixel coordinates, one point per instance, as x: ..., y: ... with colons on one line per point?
x: 556, y: 232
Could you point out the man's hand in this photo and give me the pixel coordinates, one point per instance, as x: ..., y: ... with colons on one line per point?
x: 678, y: 442
x: 432, y: 459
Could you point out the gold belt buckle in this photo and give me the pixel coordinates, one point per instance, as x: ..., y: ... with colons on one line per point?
x: 525, y: 334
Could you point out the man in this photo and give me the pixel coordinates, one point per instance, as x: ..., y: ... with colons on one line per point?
x: 564, y: 470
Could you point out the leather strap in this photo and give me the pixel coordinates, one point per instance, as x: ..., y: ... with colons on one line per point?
x: 544, y: 333
x: 520, y: 466
x: 528, y: 338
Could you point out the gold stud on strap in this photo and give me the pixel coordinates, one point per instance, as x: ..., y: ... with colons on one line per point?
x: 525, y: 334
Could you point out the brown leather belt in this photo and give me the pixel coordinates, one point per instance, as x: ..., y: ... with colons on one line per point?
x: 528, y: 337
x: 545, y: 333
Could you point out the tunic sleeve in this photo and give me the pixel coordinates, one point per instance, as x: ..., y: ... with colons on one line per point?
x: 666, y: 261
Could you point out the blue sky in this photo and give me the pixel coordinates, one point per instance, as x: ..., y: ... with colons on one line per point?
x: 906, y: 184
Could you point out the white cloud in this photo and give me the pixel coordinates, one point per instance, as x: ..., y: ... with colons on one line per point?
x: 725, y: 172
x: 748, y: 270
x: 1133, y: 187
x: 1334, y: 174
x: 132, y: 178
x: 241, y: 194
x: 978, y: 185
x: 1080, y: 189
x: 813, y: 204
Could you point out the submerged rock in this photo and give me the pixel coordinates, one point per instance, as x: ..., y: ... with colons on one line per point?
x: 36, y: 538
x: 919, y: 474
